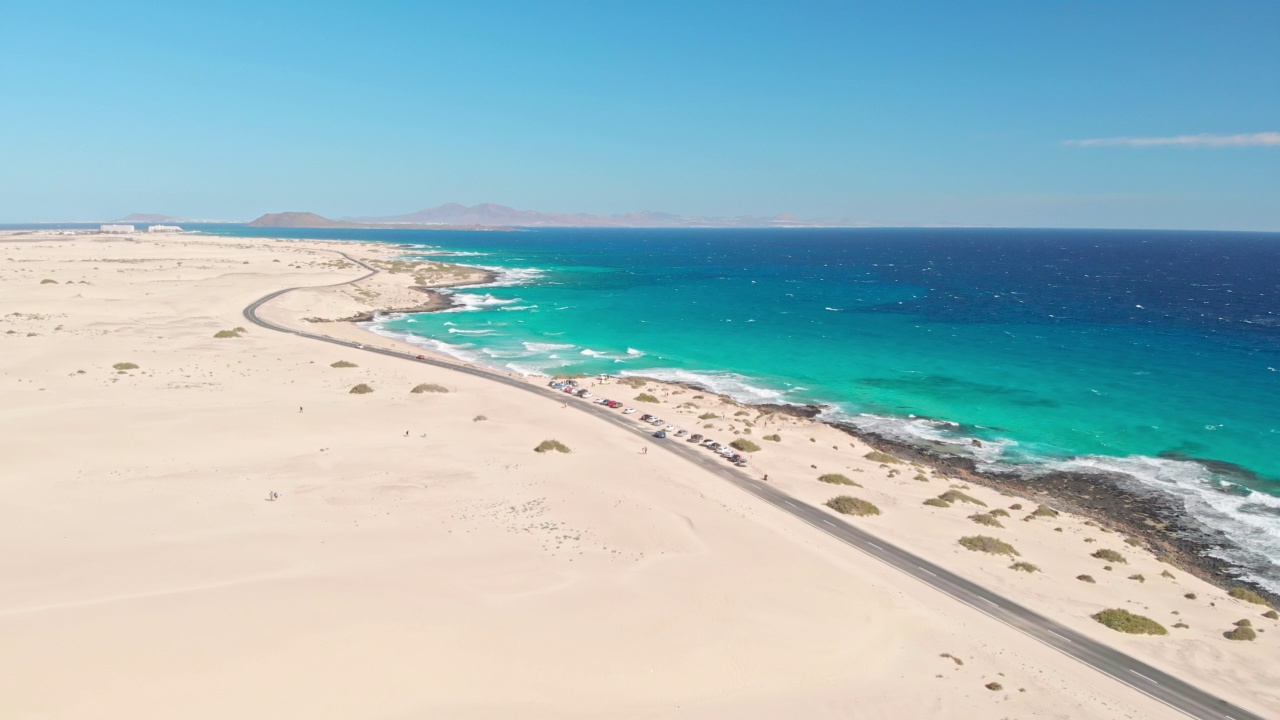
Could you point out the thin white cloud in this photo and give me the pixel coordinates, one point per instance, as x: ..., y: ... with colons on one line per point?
x: 1206, y: 141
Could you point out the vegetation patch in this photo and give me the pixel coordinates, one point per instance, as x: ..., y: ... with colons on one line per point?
x: 125, y: 366
x: 1025, y: 567
x: 744, y: 445
x: 428, y: 388
x: 1247, y: 595
x: 1190, y: 596
x: 837, y: 479
x: 631, y: 382
x: 361, y: 389
x: 882, y: 457
x: 952, y: 658
x: 998, y: 512
x: 1243, y: 632
x: 1016, y: 506
x: 708, y: 416
x: 993, y: 686
x: 1167, y: 574
x: 773, y: 438
x: 1086, y: 578
x: 952, y: 496
x: 985, y: 519
x: 1138, y: 577
x: 988, y: 544
x: 547, y: 446
x: 646, y: 397
x: 1110, y: 556
x: 1044, y: 511
x: 47, y: 281
x: 741, y: 412
x: 846, y: 505
x: 1124, y: 621
x: 226, y: 334
x: 935, y: 502
x: 343, y: 364
x: 1271, y: 615
x: 479, y: 418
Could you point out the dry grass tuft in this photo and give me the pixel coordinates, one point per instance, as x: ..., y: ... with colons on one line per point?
x: 1127, y: 622
x: 773, y: 438
x: 479, y: 418
x: 952, y: 496
x: 361, y: 389
x: 935, y: 502
x: 547, y: 446
x: 428, y: 388
x: 985, y: 519
x: 646, y: 397
x: 1247, y: 595
x: 1086, y: 578
x: 1110, y: 556
x: 744, y: 445
x: 882, y: 457
x: 987, y: 544
x: 343, y: 364
x: 125, y: 366
x: 1025, y: 567
x: 837, y: 479
x: 846, y: 505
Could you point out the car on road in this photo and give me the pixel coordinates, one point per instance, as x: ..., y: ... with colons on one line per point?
x: 661, y: 434
x: 629, y: 411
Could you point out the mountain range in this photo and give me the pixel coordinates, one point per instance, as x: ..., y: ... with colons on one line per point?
x: 492, y: 215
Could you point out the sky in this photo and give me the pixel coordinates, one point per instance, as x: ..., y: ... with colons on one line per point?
x: 1042, y: 114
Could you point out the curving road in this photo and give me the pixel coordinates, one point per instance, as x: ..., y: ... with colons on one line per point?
x: 1132, y: 672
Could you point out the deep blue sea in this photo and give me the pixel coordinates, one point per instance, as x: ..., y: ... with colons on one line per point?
x: 1154, y: 354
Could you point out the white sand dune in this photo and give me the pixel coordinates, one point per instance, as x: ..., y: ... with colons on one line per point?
x: 453, y: 572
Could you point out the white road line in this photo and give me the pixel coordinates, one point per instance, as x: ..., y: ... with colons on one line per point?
x: 789, y: 503
x: 829, y: 523
x: 1064, y: 638
x: 928, y: 571
x: 874, y: 545
x: 1144, y: 677
x: 989, y: 602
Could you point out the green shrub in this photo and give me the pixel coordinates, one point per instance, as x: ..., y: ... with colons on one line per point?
x: 993, y: 686
x: 1167, y: 574
x: 920, y: 477
x: 1190, y: 596
x: 1247, y: 595
x: 226, y: 334
x: 882, y: 457
x: 846, y: 505
x: 1182, y: 625
x: 125, y: 366
x: 1139, y: 577
x: 998, y: 512
x: 631, y: 382
x: 361, y: 389
x: 741, y: 412
x: 1016, y: 506
x: 1132, y: 542
x: 1110, y: 556
x: 47, y: 281
x: 1244, y: 632
x: 957, y: 496
x: 1025, y: 567
x: 744, y: 445
x: 708, y: 416
x: 241, y: 330
x: 646, y: 397
x: 1127, y: 622
x: 986, y: 544
x: 935, y: 502
x: 429, y: 388
x: 1086, y: 578
x: 1246, y: 622
x: 1044, y: 511
x: 343, y: 364
x: 837, y: 479
x: 1271, y: 615
x: 985, y: 519
x: 952, y: 658
x: 547, y: 446
x: 479, y: 418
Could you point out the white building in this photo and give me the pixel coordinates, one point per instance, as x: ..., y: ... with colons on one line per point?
x: 116, y: 229
x: 164, y: 228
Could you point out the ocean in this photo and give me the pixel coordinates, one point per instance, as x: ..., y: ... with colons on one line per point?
x: 1152, y: 354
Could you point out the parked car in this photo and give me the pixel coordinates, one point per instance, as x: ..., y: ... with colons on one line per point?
x: 695, y: 438
x: 629, y: 411
x: 615, y: 404
x: 657, y: 421
x: 661, y: 434
x: 681, y: 433
x: 584, y: 394
x: 646, y: 417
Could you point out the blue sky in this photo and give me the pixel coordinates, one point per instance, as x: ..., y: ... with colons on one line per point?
x: 901, y: 113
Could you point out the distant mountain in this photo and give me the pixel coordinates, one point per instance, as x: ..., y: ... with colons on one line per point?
x: 299, y: 220
x: 491, y: 215
x: 149, y: 218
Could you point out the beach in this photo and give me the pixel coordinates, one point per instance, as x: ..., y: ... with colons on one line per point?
x: 422, y: 560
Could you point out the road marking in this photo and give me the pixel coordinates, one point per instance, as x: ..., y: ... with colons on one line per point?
x: 928, y: 571
x: 789, y: 503
x: 1144, y: 677
x: 990, y: 602
x: 874, y: 545
x: 829, y: 523
x: 1064, y: 638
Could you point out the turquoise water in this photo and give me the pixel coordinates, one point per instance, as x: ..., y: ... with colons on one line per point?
x: 1146, y: 353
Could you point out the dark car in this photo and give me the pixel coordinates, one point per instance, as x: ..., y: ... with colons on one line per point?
x: 661, y: 434
x: 696, y: 437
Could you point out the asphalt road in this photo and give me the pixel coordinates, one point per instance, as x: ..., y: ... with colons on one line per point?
x: 1136, y: 674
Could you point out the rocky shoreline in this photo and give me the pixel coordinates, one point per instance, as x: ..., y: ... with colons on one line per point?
x: 1157, y: 521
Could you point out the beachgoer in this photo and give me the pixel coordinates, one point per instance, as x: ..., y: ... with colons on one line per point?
x: 644, y: 450
x: 406, y: 433
x: 299, y: 408
x: 766, y: 477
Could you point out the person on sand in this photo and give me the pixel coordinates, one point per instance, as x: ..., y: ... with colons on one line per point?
x: 644, y: 450
x: 299, y: 408
x: 766, y: 477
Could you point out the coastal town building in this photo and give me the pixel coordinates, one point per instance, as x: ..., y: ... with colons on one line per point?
x: 164, y: 228
x: 116, y: 229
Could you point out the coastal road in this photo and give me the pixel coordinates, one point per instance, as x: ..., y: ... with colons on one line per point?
x: 1138, y: 675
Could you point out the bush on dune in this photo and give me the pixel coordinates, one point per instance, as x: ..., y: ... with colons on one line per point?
x: 935, y: 502
x: 429, y: 388
x: 744, y: 445
x: 361, y: 389
x: 952, y: 496
x: 343, y: 364
x: 1247, y: 595
x: 1110, y: 556
x: 986, y: 519
x: 125, y: 366
x: 547, y: 446
x: 773, y: 438
x: 1127, y: 622
x: 846, y: 505
x: 987, y: 544
x: 646, y: 397
x: 882, y: 457
x: 837, y: 479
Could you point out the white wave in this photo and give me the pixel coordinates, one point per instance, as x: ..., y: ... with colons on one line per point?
x: 507, y: 277
x: 454, y: 330
x: 519, y: 307
x: 461, y: 352
x: 738, y: 387
x: 1249, y: 519
x: 546, y: 347
x: 635, y: 353
x: 470, y: 302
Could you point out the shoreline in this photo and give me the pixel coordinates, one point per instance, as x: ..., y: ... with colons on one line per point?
x: 1164, y: 526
